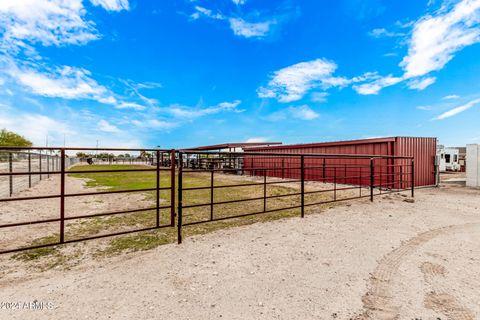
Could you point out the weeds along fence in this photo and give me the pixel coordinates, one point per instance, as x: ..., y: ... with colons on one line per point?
x: 187, y: 188
x: 38, y: 162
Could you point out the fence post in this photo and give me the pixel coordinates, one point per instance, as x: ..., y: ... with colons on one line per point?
x: 401, y: 177
x: 335, y: 183
x: 264, y: 190
x: 10, y: 169
x: 360, y: 182
x: 302, y: 188
x: 372, y: 180
x: 180, y: 191
x: 211, y: 194
x: 413, y: 178
x: 48, y: 164
x: 40, y: 163
x: 158, y: 189
x: 62, y: 195
x: 172, y: 188
x: 323, y: 170
x: 29, y: 169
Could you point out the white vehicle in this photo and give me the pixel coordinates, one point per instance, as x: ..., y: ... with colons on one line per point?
x: 448, y: 159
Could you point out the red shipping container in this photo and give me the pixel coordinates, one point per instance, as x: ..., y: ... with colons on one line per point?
x: 422, y: 149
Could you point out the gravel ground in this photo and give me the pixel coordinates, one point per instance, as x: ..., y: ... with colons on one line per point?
x: 390, y: 259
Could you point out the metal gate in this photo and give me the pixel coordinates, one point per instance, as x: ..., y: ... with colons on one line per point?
x: 336, y: 177
x: 160, y: 162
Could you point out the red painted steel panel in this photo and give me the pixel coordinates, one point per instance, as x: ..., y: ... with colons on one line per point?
x: 422, y: 149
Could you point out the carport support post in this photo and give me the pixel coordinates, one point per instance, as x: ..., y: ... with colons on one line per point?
x: 62, y: 195
x: 413, y: 178
x: 180, y: 185
x: 371, y: 179
x: 158, y: 188
x: 302, y: 187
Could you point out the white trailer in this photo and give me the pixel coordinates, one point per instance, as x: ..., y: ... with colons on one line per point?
x: 473, y: 165
x: 448, y: 159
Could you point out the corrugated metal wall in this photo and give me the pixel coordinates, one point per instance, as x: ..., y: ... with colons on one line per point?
x: 422, y: 149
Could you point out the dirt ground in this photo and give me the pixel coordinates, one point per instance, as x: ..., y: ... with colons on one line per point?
x: 390, y: 259
x: 22, y: 211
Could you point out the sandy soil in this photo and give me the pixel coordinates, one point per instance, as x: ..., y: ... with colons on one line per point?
x: 21, y: 211
x: 390, y: 259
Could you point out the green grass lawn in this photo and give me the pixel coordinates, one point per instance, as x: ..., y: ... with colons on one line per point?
x: 150, y: 239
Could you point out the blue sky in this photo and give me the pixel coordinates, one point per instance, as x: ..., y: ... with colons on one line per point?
x: 181, y: 73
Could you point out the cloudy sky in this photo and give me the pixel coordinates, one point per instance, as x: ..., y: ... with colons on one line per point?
x: 180, y: 73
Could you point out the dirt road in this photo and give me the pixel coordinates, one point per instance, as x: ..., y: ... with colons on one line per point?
x: 387, y: 260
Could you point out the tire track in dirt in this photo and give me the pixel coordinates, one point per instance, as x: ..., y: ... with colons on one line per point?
x: 378, y: 302
x: 439, y: 299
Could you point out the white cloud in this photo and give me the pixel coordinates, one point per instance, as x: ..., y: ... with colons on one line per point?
x: 246, y: 29
x: 436, y: 38
x: 105, y: 126
x: 54, y: 22
x: 112, y: 5
x: 451, y: 97
x: 458, y: 110
x: 256, y: 140
x: 301, y: 113
x: 63, y: 82
x: 207, y: 13
x: 35, y: 127
x: 382, y: 32
x: 189, y: 113
x: 319, y: 96
x: 424, y: 108
x: 239, y: 2
x: 154, y: 124
x: 420, y: 84
x: 293, y: 82
x: 376, y: 85
x: 130, y: 105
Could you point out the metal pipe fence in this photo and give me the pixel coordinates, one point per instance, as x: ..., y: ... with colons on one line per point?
x: 63, y: 166
x: 227, y: 185
x: 31, y: 161
x: 334, y: 174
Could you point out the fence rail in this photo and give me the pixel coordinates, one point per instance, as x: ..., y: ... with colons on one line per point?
x: 61, y: 167
x: 38, y: 163
x: 278, y: 182
x: 339, y: 173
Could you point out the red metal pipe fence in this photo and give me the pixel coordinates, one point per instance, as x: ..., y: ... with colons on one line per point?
x: 378, y: 173
x: 62, y: 195
x: 283, y: 182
